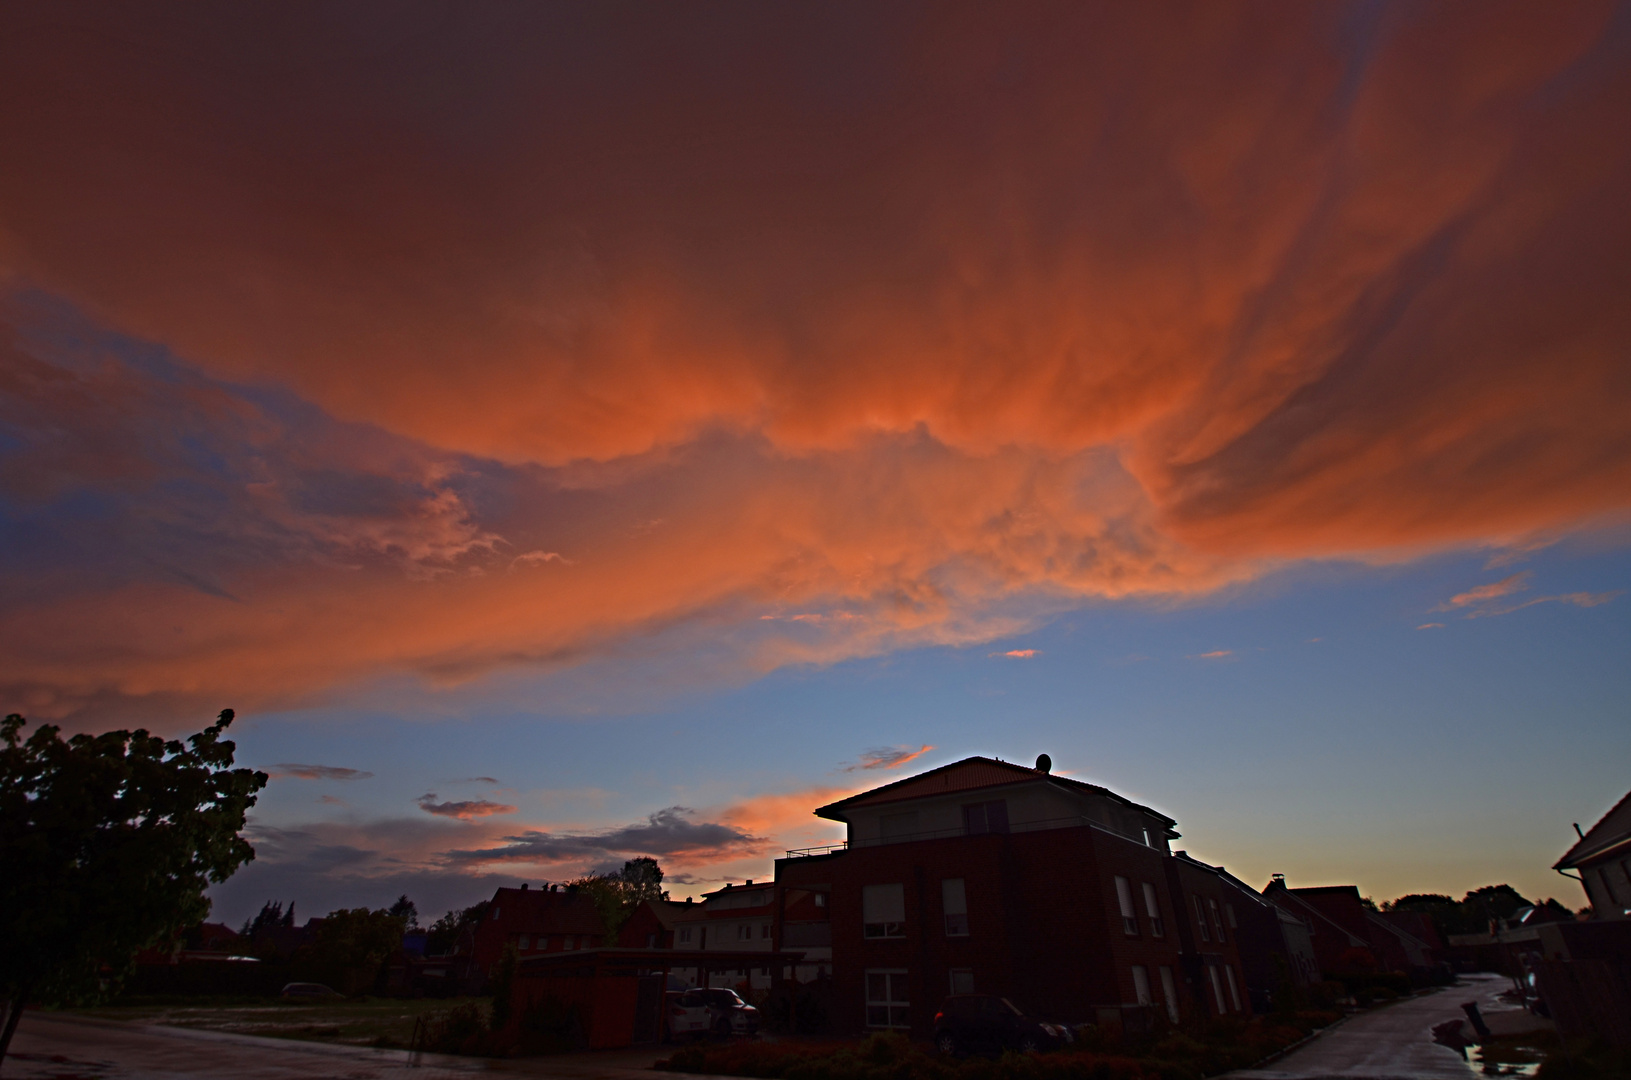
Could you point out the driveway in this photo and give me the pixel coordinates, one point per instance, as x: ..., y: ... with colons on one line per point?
x: 51, y: 1046
x: 1396, y: 1042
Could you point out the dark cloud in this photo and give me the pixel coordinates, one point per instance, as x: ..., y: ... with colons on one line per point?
x: 465, y: 811
x: 671, y: 832
x: 319, y: 772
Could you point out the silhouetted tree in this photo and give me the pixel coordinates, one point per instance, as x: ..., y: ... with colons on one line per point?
x: 357, y: 938
x: 444, y: 933
x: 108, y: 843
x: 616, y: 895
x: 405, y: 910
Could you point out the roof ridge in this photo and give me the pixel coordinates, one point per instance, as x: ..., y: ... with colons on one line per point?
x: 1575, y: 851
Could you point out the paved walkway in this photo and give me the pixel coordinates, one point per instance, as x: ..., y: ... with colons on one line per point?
x: 51, y: 1046
x: 1396, y: 1042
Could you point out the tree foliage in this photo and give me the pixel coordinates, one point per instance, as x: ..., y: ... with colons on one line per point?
x: 107, y: 843
x: 616, y: 896
x: 444, y: 933
x: 407, y: 911
x: 1469, y: 915
x: 357, y: 937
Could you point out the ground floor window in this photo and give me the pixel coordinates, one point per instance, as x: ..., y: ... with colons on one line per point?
x: 887, y: 1001
x: 1234, y: 991
x: 1141, y: 984
x: 1169, y: 990
x: 1217, y: 989
x: 962, y: 980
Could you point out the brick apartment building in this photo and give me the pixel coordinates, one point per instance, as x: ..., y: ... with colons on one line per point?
x: 985, y: 876
x: 550, y: 919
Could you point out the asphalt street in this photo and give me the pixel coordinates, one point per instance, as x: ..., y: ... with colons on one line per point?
x: 1396, y: 1042
x: 1393, y: 1043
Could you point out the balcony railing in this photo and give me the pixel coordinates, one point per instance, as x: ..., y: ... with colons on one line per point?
x: 1072, y: 822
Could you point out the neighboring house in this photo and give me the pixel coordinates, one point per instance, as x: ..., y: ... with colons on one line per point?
x: 987, y: 877
x: 652, y: 924
x: 1602, y: 860
x: 552, y: 919
x: 1337, y: 945
x: 1274, y: 946
x: 735, y: 918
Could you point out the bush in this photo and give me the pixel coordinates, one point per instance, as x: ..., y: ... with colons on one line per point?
x: 1169, y: 1055
x: 463, y: 1029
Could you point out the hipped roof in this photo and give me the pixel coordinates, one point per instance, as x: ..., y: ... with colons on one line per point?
x: 972, y: 774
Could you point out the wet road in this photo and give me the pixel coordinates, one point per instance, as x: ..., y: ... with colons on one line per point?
x: 1396, y: 1042
x: 55, y: 1047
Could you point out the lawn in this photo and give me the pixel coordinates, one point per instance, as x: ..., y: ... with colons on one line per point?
x: 386, y: 1022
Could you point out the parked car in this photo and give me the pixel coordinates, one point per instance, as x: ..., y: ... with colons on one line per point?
x: 728, y: 1014
x: 686, y: 1014
x: 985, y: 1023
x: 310, y: 990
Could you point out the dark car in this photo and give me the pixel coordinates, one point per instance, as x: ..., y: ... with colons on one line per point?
x: 985, y: 1023
x: 728, y: 1014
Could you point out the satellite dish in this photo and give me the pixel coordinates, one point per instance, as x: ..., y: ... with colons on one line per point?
x: 1044, y: 763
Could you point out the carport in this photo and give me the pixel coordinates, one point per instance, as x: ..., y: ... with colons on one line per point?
x: 614, y: 997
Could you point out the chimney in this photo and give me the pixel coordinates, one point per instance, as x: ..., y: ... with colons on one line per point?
x: 523, y: 886
x: 750, y: 881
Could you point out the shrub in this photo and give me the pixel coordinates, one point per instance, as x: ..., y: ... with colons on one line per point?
x: 462, y: 1029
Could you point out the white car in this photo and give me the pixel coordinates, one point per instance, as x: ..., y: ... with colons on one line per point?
x: 686, y: 1015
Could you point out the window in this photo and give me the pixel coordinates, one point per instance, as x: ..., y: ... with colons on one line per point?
x: 1141, y: 984
x: 1129, y: 918
x: 685, y: 936
x: 744, y: 932
x: 1229, y: 916
x: 571, y: 942
x: 1169, y: 990
x: 1200, y: 917
x: 1152, y: 908
x: 821, y: 899
x: 1217, y: 989
x: 962, y: 980
x: 954, y: 899
x: 1217, y: 920
x: 651, y: 941
x: 887, y: 1003
x: 986, y: 817
x: 883, y: 911
x: 1234, y: 991
x: 1147, y: 839
x: 764, y: 930
x: 526, y: 943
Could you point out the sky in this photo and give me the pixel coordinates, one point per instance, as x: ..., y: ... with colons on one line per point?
x: 565, y: 433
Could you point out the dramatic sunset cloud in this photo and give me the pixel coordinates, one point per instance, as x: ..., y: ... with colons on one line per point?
x: 464, y: 810
x: 672, y: 834
x: 1017, y: 654
x: 337, y: 348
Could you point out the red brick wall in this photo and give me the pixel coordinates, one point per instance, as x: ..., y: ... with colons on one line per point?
x: 1045, y: 927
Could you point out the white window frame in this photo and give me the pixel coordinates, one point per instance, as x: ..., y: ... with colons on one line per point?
x: 1129, y: 915
x: 1152, y: 908
x: 966, y: 980
x: 1234, y: 990
x: 897, y: 1011
x: 1217, y: 919
x: 1200, y: 917
x: 954, y: 902
x: 1141, y: 985
x: 1217, y: 989
x: 883, y: 913
x: 1169, y: 990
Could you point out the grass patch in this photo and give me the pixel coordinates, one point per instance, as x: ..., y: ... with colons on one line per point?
x: 382, y: 1022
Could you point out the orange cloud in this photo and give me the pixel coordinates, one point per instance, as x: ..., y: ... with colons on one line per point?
x: 1216, y: 654
x: 1431, y: 626
x: 888, y: 757
x: 1019, y: 654
x: 698, y: 327
x: 1483, y: 593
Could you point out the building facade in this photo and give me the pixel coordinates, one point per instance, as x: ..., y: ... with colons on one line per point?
x: 988, y: 877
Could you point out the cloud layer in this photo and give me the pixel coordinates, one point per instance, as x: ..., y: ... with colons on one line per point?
x: 337, y: 347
